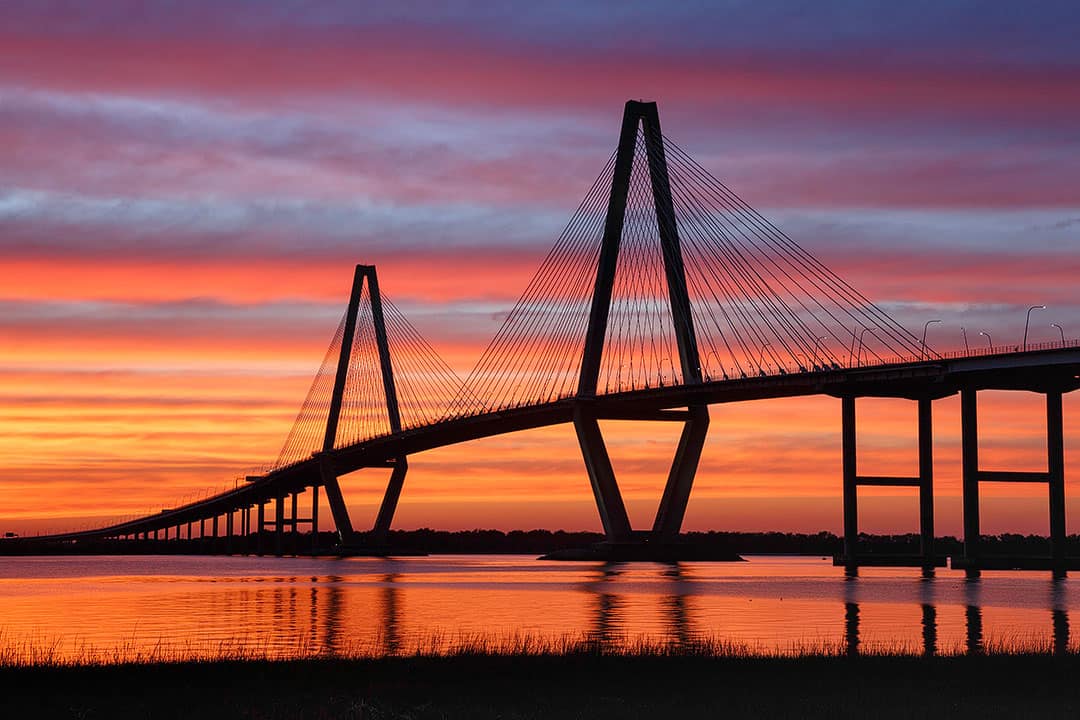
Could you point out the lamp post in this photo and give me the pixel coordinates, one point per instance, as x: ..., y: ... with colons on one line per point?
x: 989, y: 340
x: 858, y: 355
x: 762, y: 355
x: 1027, y: 320
x: 922, y: 344
x: 817, y: 344
x: 1060, y: 331
x: 966, y: 348
x: 716, y: 357
x: 661, y: 370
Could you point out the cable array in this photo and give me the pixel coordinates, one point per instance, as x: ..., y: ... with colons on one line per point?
x: 762, y: 304
x: 535, y: 356
x: 758, y: 303
x: 424, y: 383
x: 755, y: 301
x: 309, y: 428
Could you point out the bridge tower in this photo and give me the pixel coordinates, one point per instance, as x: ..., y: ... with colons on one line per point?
x: 328, y: 474
x: 695, y: 419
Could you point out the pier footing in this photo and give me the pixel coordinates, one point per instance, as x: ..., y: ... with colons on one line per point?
x: 1015, y: 562
x: 899, y: 560
x: 643, y: 551
x: 373, y: 551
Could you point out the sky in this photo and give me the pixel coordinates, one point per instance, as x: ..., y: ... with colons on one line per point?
x: 185, y: 188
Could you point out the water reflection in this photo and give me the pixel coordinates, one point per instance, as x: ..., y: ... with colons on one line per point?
x: 605, y: 630
x: 313, y: 614
x: 676, y: 605
x: 391, y: 607
x: 1059, y: 616
x: 973, y: 619
x: 851, y: 613
x: 332, y: 616
x: 973, y: 615
x: 929, y: 629
x: 929, y: 614
x: 395, y: 606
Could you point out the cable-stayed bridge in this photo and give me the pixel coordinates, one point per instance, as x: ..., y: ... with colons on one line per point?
x: 664, y: 294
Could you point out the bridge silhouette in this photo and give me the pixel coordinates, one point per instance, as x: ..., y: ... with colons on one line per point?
x: 665, y: 293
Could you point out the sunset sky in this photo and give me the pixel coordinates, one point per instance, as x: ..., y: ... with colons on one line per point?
x: 185, y: 188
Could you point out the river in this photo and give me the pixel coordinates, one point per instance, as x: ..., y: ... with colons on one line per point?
x: 147, y: 607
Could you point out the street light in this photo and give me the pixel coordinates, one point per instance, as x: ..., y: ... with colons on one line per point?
x: 660, y: 370
x: 716, y: 356
x: 858, y: 355
x: 762, y: 356
x: 927, y: 324
x: 1027, y: 320
x: 1060, y: 331
x: 989, y: 340
x: 966, y: 348
x: 817, y: 344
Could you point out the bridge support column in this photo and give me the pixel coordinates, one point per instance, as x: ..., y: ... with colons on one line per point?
x: 346, y: 535
x: 294, y: 543
x: 381, y: 532
x: 279, y: 525
x: 214, y: 529
x: 924, y: 482
x: 229, y: 532
x: 1055, y: 466
x: 969, y: 444
x: 672, y: 510
x: 245, y: 530
x: 202, y: 528
x: 602, y: 477
x: 851, y: 490
x: 260, y: 528
x: 1054, y: 477
x: 314, y: 519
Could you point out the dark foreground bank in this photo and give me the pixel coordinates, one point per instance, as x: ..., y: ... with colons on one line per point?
x: 574, y: 686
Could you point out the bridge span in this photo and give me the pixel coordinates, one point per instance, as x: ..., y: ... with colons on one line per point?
x: 665, y: 294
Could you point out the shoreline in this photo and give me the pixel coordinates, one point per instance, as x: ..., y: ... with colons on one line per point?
x: 537, y: 542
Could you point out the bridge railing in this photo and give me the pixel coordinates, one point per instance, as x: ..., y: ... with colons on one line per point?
x: 711, y: 375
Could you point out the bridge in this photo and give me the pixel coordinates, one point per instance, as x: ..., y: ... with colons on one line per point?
x: 665, y: 293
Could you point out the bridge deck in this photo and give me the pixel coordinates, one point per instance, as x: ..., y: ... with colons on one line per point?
x: 1034, y: 370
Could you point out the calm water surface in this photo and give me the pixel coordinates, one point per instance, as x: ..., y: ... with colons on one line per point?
x: 285, y: 606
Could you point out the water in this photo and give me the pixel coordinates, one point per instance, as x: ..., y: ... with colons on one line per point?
x: 131, y: 607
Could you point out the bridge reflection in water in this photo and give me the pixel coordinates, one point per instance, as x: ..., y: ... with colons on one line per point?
x: 207, y: 606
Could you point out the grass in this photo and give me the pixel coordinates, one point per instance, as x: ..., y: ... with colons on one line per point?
x: 532, y: 677
x: 42, y: 653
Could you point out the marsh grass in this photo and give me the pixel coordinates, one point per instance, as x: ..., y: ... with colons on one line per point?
x: 46, y: 652
x: 528, y: 676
